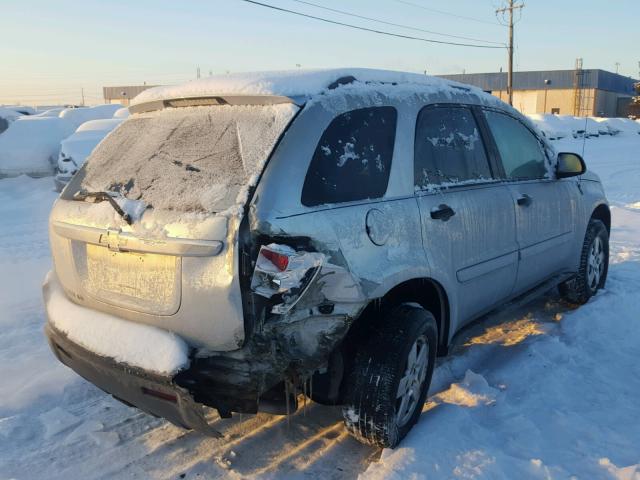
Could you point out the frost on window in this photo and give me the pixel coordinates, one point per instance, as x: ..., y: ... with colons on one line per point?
x: 193, y: 159
x: 448, y: 148
x: 353, y: 158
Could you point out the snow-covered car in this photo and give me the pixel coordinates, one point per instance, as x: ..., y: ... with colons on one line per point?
x: 50, y: 112
x: 21, y: 109
x: 78, y: 116
x: 121, y: 113
x: 77, y: 147
x: 30, y: 145
x: 7, y: 116
x: 243, y: 238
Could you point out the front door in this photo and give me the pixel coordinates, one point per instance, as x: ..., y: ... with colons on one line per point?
x: 468, y: 219
x: 544, y: 210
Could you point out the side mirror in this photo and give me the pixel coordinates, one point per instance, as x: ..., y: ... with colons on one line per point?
x: 570, y: 165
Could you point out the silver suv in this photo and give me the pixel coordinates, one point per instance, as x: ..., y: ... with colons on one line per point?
x: 326, y: 232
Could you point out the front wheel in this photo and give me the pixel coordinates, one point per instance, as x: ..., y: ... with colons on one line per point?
x: 594, y: 265
x: 391, y: 376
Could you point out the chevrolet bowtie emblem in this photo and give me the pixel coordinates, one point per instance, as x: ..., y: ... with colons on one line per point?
x: 112, y: 240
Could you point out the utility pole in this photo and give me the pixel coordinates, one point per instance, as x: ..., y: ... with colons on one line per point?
x: 82, y: 94
x: 512, y: 6
x: 617, y: 66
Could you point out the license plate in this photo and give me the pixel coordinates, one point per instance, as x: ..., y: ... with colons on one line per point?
x: 142, y: 282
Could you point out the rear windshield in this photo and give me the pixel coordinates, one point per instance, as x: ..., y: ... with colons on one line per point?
x: 191, y: 159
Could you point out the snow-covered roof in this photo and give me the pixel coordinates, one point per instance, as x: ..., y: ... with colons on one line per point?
x: 291, y: 83
x: 102, y: 125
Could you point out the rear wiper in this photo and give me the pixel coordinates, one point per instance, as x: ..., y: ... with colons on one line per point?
x: 97, y: 197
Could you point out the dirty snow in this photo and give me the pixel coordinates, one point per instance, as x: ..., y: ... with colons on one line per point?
x: 134, y: 344
x: 554, y: 389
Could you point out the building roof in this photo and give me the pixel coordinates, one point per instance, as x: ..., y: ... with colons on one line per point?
x: 559, y: 79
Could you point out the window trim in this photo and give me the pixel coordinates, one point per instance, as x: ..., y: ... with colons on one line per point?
x: 494, y: 167
x: 330, y: 205
x: 499, y: 161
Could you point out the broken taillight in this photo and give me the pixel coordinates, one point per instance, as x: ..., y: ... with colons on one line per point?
x: 280, y: 260
x: 284, y: 274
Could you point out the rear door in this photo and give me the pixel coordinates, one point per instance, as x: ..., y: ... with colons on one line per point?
x: 349, y: 178
x: 468, y: 219
x: 544, y: 210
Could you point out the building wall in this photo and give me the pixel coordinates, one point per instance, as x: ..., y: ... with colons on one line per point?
x: 123, y: 94
x: 533, y: 101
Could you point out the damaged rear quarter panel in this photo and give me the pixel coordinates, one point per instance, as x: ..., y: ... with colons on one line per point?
x: 356, y: 270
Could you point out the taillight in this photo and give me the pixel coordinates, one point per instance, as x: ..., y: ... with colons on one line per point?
x: 280, y: 260
x: 285, y: 274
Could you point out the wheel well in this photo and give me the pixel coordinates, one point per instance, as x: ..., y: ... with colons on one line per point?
x: 603, y: 214
x: 425, y: 291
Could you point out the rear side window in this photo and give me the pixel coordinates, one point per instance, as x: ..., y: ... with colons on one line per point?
x: 521, y: 153
x: 448, y: 148
x: 353, y: 158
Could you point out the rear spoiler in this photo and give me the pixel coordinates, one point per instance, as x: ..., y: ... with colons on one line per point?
x: 215, y: 100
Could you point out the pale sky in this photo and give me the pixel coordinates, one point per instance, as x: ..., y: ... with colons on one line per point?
x: 51, y: 50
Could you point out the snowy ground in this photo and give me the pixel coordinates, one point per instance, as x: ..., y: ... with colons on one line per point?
x: 541, y: 392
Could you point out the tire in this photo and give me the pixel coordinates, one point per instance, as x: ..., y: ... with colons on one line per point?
x: 372, y: 410
x: 592, y: 274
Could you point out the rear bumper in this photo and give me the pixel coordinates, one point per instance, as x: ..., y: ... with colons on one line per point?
x: 149, y: 392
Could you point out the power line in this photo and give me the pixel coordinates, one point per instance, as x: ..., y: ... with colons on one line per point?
x: 381, y: 32
x: 393, y: 24
x: 442, y: 12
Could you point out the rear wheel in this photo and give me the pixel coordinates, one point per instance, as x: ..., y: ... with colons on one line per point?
x: 391, y: 376
x: 594, y: 265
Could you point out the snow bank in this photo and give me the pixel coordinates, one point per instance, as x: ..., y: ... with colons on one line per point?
x: 551, y: 125
x: 30, y: 145
x: 134, y: 344
x: 286, y: 83
x: 556, y: 127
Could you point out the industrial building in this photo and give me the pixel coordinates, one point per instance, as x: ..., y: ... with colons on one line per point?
x: 579, y: 92
x: 124, y: 94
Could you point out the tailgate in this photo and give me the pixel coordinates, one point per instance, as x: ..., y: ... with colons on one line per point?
x: 186, y: 285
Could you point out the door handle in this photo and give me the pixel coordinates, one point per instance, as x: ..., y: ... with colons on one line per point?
x: 442, y: 212
x: 524, y: 200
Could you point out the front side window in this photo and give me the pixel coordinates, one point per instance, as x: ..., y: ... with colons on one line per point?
x: 352, y: 161
x: 448, y: 148
x: 521, y: 152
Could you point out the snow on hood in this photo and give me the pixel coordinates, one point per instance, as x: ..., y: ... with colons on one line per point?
x: 290, y: 83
